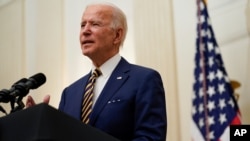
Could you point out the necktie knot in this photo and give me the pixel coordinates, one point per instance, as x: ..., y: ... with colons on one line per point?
x: 97, y: 72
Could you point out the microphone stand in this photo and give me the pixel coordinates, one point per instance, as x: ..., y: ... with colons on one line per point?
x: 16, y: 105
x: 4, y: 97
x: 3, y: 110
x: 19, y: 102
x: 15, y: 98
x: 18, y: 98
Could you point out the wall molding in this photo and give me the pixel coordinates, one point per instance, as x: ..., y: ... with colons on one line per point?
x: 223, y: 14
x: 215, y: 4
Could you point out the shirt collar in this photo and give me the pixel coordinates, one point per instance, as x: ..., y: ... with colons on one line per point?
x: 108, y: 67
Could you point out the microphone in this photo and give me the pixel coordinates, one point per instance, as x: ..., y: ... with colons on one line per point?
x: 21, y: 88
x: 35, y: 81
x: 5, y: 94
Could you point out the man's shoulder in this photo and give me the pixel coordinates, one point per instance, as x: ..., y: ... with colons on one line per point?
x: 141, y: 67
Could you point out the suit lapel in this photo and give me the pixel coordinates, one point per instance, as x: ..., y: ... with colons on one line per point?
x: 116, y: 80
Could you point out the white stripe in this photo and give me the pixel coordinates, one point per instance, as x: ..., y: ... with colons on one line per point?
x: 195, y: 132
x: 226, y: 135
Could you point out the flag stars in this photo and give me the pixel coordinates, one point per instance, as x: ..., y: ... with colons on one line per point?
x: 211, y: 120
x: 203, y: 31
x: 201, y: 77
x: 209, y: 34
x: 202, y: 19
x: 211, y: 76
x: 210, y: 46
x: 211, y: 105
x: 222, y: 118
x: 222, y: 103
x: 201, y: 108
x: 211, y: 135
x: 210, y: 61
x: 201, y: 122
x: 219, y: 74
x: 201, y: 92
x: 221, y: 88
x: 231, y: 103
x: 202, y: 7
x: 211, y: 91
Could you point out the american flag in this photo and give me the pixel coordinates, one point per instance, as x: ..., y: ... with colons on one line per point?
x: 214, y: 106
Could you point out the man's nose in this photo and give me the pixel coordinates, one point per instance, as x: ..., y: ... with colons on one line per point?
x: 86, y: 29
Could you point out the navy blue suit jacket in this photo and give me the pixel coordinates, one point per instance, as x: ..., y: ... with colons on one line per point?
x: 131, y: 106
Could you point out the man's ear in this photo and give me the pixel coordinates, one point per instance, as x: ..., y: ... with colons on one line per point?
x: 118, y: 36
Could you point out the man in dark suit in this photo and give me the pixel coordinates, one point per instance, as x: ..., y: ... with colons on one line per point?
x: 129, y: 100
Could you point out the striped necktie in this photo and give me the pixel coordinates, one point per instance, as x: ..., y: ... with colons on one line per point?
x: 88, y: 96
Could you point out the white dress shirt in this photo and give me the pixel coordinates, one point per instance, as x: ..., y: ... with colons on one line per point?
x: 107, y: 68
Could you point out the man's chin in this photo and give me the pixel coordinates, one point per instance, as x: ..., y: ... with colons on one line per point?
x: 86, y: 53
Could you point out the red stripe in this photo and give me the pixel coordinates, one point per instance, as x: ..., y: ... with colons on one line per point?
x: 236, y: 120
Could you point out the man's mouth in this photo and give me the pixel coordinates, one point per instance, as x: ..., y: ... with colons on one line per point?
x: 87, y: 42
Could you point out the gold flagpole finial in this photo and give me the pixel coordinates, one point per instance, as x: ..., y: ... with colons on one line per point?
x: 235, y: 84
x: 205, y: 2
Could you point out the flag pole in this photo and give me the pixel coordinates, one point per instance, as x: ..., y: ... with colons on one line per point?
x: 204, y: 85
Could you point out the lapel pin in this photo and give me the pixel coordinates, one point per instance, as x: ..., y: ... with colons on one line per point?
x: 119, y: 77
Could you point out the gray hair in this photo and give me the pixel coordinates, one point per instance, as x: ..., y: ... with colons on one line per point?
x: 119, y: 19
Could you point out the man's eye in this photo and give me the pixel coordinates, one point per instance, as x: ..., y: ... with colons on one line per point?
x: 95, y: 24
x: 83, y: 24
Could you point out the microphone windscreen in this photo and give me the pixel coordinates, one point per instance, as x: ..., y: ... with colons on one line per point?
x: 37, y: 80
x: 23, y: 80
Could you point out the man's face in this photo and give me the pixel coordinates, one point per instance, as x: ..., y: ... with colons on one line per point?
x: 97, y: 38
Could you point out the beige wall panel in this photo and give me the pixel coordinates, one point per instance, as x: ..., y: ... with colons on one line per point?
x: 44, y: 46
x: 31, y: 41
x: 12, y: 53
x: 154, y: 47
